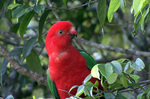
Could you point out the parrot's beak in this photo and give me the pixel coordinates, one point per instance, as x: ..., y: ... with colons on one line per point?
x: 73, y: 33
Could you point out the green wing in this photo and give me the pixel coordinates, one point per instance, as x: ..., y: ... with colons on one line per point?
x: 52, y: 87
x: 90, y: 61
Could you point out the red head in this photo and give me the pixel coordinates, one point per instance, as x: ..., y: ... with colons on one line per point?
x: 60, y: 36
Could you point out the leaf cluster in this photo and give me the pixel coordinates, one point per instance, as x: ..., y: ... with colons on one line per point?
x: 114, y: 76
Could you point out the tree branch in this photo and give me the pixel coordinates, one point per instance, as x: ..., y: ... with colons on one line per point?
x: 113, y: 58
x: 144, y: 82
x: 9, y: 34
x: 22, y: 70
x: 115, y: 49
x: 92, y: 44
x: 14, y: 35
x: 80, y: 6
x: 9, y: 42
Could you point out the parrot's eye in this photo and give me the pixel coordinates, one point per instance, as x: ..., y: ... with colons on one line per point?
x: 60, y: 32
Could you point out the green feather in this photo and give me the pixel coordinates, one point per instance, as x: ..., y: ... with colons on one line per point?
x: 89, y: 60
x: 52, y: 87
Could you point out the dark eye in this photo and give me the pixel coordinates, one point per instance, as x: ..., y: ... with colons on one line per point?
x: 60, y: 32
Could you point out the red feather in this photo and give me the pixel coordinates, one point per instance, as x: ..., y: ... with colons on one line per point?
x: 67, y: 67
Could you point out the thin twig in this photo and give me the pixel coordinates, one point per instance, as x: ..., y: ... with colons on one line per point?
x: 51, y: 6
x: 80, y: 6
x: 81, y: 47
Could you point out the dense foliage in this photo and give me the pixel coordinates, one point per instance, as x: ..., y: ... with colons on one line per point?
x: 117, y: 36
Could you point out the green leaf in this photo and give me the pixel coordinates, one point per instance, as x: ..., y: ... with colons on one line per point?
x: 112, y: 78
x: 73, y: 87
x: 148, y: 95
x: 101, y: 11
x: 87, y: 97
x: 122, y: 3
x: 33, y: 97
x: 89, y: 3
x: 23, y: 80
x: 137, y: 85
x: 87, y: 79
x: 117, y: 67
x: 96, y: 84
x: 8, y: 15
x: 135, y: 77
x: 120, y: 96
x: 124, y: 81
x: 28, y: 47
x: 13, y: 5
x: 106, y: 69
x: 135, y: 27
x: 52, y: 86
x: 33, y: 62
x: 116, y: 86
x: 25, y: 21
x: 113, y: 7
x: 110, y: 95
x: 89, y: 60
x: 142, y: 20
x: 15, y: 28
x: 127, y: 68
x: 9, y: 97
x: 1, y: 4
x: 137, y: 6
x: 39, y: 8
x: 140, y: 13
x: 3, y: 69
x: 138, y: 65
x: 146, y: 12
x: 95, y: 72
x: 103, y: 84
x: 41, y: 24
x: 129, y: 78
x: 21, y: 10
x: 80, y: 90
x: 65, y: 2
x: 140, y: 96
x: 88, y: 89
x: 123, y: 60
x: 16, y: 51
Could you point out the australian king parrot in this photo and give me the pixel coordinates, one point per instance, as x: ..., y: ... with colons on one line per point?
x: 67, y: 65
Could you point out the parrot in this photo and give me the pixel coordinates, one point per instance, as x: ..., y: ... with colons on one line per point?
x: 68, y: 66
